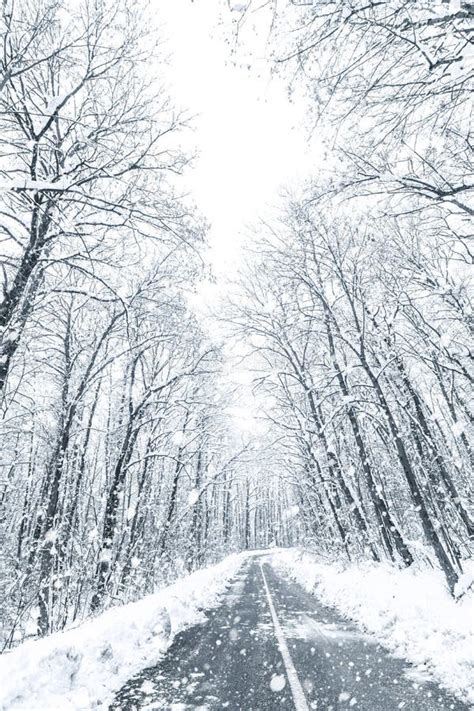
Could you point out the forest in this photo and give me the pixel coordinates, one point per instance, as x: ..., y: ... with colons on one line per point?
x: 121, y: 467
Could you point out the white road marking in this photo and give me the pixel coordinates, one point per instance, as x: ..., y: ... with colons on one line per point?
x: 299, y: 698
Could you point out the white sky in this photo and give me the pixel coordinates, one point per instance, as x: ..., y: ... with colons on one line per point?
x: 248, y: 134
x: 249, y: 138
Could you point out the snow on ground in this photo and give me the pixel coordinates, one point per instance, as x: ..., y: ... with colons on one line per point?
x: 81, y: 668
x: 409, y: 611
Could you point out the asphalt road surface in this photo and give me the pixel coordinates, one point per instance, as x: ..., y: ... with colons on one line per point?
x: 270, y: 646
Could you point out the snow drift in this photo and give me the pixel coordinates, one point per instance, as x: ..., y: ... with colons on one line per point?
x: 81, y: 668
x: 409, y: 611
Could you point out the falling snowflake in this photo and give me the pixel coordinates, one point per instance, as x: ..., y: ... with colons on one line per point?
x: 278, y: 682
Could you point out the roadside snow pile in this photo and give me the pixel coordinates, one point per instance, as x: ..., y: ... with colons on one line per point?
x: 409, y: 611
x: 80, y: 669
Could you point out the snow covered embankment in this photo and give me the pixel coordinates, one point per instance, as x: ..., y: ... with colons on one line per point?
x: 409, y: 611
x: 80, y: 669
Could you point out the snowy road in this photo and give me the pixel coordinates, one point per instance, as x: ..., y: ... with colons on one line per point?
x: 273, y: 646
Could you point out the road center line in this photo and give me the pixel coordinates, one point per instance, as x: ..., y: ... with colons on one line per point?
x: 299, y: 698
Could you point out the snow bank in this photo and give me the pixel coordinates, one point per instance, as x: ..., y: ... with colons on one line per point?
x: 80, y: 669
x: 409, y: 611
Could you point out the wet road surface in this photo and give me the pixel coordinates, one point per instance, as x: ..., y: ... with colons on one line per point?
x: 271, y: 645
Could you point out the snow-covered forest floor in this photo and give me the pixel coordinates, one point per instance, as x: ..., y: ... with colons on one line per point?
x: 409, y: 611
x: 81, y: 668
